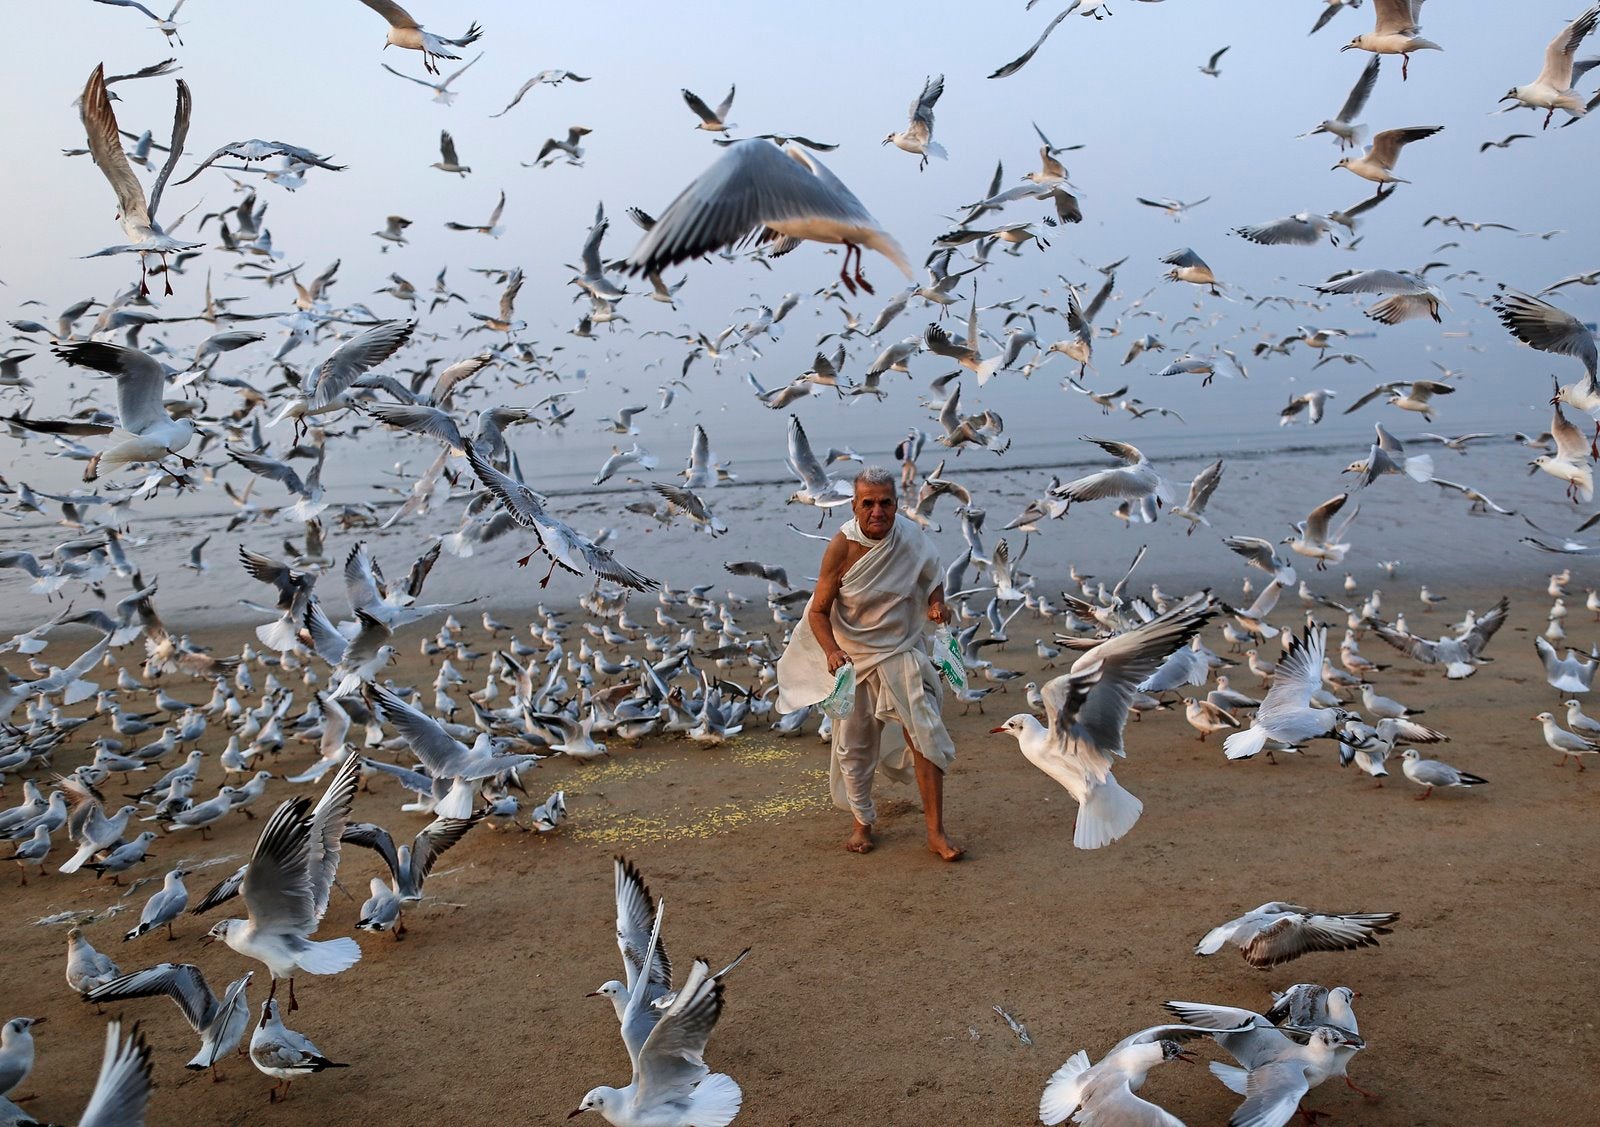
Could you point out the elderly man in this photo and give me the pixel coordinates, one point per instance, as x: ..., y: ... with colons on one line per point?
x: 878, y: 587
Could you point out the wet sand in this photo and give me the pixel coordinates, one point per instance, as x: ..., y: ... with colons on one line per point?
x: 868, y: 996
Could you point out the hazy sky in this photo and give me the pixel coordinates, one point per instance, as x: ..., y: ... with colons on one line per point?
x: 1127, y: 88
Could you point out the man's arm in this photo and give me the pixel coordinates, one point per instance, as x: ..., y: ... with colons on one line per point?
x: 937, y: 610
x: 829, y: 576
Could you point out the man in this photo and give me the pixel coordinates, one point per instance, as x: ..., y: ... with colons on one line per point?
x: 878, y: 587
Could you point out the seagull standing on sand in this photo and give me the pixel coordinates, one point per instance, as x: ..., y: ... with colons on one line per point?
x: 1430, y: 773
x: 1569, y: 744
x: 281, y: 1053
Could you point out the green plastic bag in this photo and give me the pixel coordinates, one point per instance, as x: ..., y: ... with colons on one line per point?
x: 843, y: 698
x: 947, y: 659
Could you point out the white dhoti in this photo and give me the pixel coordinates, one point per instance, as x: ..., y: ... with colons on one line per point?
x: 879, y: 620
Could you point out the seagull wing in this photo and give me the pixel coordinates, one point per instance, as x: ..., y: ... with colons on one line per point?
x: 753, y: 185
x: 105, y: 146
x: 671, y: 1061
x: 1538, y: 323
x: 636, y: 910
x: 353, y: 359
x: 438, y: 751
x: 394, y: 13
x: 1291, y: 936
x: 1559, y: 54
x: 1299, y: 675
x: 1361, y: 91
x: 122, y: 1090
x: 182, y: 982
x: 140, y: 379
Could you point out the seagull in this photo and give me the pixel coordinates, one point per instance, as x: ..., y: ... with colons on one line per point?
x: 566, y: 548
x: 1313, y: 403
x: 569, y: 146
x: 1567, y: 674
x: 135, y: 211
x: 1210, y: 69
x: 1200, y: 490
x: 1286, y: 714
x: 817, y: 487
x: 1409, y: 296
x: 1459, y: 655
x: 407, y: 34
x: 711, y: 120
x: 1417, y: 396
x: 448, y: 160
x: 409, y: 865
x: 1135, y: 480
x: 446, y: 758
x: 917, y: 137
x: 1552, y: 90
x: 1316, y: 540
x: 671, y: 1085
x: 490, y: 227
x: 1263, y: 554
x: 153, y: 434
x: 220, y: 1022
x: 1175, y: 208
x: 1570, y: 463
x: 1377, y: 163
x: 168, y: 26
x: 1342, y: 125
x: 86, y: 967
x: 758, y: 190
x: 1430, y: 773
x: 164, y: 907
x: 326, y: 389
x: 441, y: 90
x: 1394, y: 33
x: 1105, y: 1090
x: 1187, y: 266
x: 544, y: 77
x: 1569, y: 744
x: 1086, y: 710
x: 286, y: 887
x: 281, y: 1053
x: 1300, y: 229
x: 1278, y: 932
x: 1537, y: 323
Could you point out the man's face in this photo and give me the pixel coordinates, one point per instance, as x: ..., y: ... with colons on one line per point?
x: 874, y: 507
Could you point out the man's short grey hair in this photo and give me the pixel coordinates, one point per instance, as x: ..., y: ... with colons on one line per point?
x: 877, y: 475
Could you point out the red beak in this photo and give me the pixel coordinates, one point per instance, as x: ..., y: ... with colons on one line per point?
x: 997, y: 731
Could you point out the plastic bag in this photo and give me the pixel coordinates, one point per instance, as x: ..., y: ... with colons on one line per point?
x: 843, y: 698
x: 947, y: 659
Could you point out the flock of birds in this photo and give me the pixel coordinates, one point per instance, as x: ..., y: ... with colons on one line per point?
x: 579, y: 682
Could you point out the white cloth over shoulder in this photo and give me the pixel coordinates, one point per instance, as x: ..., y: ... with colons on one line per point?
x: 879, y: 619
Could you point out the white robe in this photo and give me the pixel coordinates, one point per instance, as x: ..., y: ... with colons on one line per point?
x: 879, y: 619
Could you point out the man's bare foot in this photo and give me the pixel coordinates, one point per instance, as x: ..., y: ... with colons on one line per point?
x: 945, y: 848
x: 860, y: 839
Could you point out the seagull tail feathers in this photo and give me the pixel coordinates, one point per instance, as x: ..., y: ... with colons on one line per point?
x: 330, y: 956
x: 1064, y: 1089
x: 1246, y: 744
x: 1107, y: 814
x: 715, y: 1102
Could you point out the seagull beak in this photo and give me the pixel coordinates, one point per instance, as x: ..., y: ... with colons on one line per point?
x: 575, y: 1112
x: 1187, y: 1056
x: 37, y: 1020
x: 997, y: 731
x: 207, y: 939
x: 1342, y: 50
x: 593, y: 994
x: 1533, y: 467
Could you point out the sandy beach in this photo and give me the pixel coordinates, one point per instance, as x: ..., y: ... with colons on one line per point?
x: 868, y: 996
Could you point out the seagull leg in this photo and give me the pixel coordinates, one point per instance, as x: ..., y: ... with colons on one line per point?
x: 1547, y: 118
x: 844, y: 270
x: 293, y: 1005
x: 1424, y: 794
x: 1358, y: 1088
x: 545, y: 582
x: 1405, y: 66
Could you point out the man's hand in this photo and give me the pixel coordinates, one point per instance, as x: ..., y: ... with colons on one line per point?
x: 836, y: 658
x: 939, y: 612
